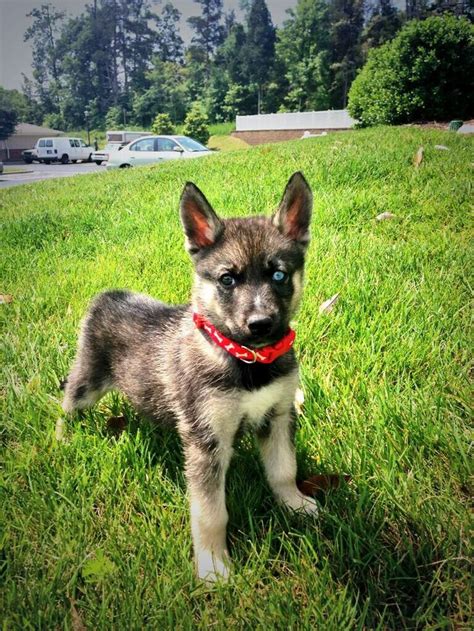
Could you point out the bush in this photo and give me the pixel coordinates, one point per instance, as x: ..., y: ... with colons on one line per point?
x: 196, y: 124
x: 425, y: 73
x: 162, y: 124
x: 114, y: 118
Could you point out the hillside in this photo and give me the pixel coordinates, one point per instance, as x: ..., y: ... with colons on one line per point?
x: 96, y: 528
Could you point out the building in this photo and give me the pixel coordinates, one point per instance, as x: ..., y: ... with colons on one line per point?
x: 25, y: 137
x: 262, y: 128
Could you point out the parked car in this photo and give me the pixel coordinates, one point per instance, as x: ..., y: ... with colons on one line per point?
x: 156, y: 149
x: 63, y: 150
x: 102, y: 155
x: 29, y: 155
x: 116, y: 140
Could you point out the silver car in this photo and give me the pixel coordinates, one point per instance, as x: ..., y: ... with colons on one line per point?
x: 153, y: 149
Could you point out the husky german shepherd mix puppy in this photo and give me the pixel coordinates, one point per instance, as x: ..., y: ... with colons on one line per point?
x: 220, y: 364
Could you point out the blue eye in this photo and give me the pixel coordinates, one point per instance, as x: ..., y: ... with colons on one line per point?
x: 227, y: 280
x: 279, y: 276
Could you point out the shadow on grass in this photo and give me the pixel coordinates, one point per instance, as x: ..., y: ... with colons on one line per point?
x: 391, y: 564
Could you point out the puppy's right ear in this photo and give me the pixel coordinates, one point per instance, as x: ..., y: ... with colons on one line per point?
x: 201, y: 225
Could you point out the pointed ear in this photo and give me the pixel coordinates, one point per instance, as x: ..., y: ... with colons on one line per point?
x: 201, y: 225
x: 293, y: 216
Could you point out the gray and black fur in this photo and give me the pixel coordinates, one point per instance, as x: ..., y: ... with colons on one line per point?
x: 248, y: 280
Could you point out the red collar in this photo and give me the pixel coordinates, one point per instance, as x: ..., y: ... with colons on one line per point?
x: 265, y: 355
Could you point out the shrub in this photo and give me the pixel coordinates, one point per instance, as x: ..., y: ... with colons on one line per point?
x: 162, y: 124
x: 114, y: 118
x: 426, y: 72
x: 196, y: 124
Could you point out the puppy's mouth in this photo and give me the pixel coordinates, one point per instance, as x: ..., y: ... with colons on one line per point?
x: 258, y: 341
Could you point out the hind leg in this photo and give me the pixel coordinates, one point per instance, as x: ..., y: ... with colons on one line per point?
x: 83, y: 387
x: 90, y: 377
x: 80, y: 392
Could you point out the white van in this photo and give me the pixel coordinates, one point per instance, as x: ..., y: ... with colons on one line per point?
x: 62, y: 150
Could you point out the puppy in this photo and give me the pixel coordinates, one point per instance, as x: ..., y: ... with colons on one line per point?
x: 220, y: 364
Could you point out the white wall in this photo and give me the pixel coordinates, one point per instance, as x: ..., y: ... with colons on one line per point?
x: 330, y: 119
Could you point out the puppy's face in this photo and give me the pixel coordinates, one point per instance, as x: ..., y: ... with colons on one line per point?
x: 248, y: 271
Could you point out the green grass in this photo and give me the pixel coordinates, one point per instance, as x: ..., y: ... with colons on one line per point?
x: 226, y: 143
x: 96, y: 530
x: 12, y: 170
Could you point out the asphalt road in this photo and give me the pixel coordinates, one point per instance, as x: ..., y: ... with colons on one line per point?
x: 38, y: 172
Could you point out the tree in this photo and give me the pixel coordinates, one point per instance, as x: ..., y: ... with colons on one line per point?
x: 239, y: 99
x: 196, y: 124
x: 13, y: 100
x: 425, y: 73
x: 169, y: 44
x: 44, y: 34
x: 259, y: 46
x: 167, y: 93
x: 347, y: 20
x: 54, y: 121
x: 162, y: 124
x: 8, y: 121
x: 208, y: 30
x: 230, y: 57
x: 421, y: 9
x: 114, y: 118
x: 384, y: 23
x: 302, y: 57
x: 140, y: 40
x: 228, y: 79
x: 34, y: 113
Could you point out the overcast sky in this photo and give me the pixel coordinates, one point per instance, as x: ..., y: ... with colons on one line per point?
x: 15, y: 55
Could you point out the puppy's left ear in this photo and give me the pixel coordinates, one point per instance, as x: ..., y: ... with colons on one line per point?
x: 293, y: 216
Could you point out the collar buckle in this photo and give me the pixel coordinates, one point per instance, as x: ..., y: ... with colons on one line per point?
x: 252, y: 352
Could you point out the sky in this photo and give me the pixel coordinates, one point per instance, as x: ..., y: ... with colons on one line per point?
x: 15, y: 54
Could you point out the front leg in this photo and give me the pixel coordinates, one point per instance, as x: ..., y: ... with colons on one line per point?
x: 276, y: 441
x: 206, y: 466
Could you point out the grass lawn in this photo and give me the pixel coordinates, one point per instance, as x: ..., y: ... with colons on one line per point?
x: 12, y: 170
x: 96, y: 529
x: 226, y: 143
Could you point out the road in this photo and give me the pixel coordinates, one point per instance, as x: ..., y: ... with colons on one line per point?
x: 38, y: 172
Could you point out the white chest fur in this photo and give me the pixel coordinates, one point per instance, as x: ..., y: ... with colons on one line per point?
x: 224, y: 413
x: 279, y: 394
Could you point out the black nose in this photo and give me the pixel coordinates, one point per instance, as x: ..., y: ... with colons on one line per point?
x: 260, y: 325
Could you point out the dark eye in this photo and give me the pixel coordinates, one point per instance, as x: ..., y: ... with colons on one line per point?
x: 279, y: 276
x: 227, y: 280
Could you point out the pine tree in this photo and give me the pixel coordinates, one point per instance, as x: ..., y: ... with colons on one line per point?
x: 44, y: 35
x: 384, y: 23
x: 170, y: 46
x: 302, y: 52
x: 347, y: 21
x: 260, y: 46
x: 208, y: 29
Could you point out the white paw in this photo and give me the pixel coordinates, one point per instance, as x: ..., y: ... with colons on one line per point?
x: 211, y: 568
x: 301, y: 503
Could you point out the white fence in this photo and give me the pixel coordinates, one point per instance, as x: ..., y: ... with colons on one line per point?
x: 330, y: 119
